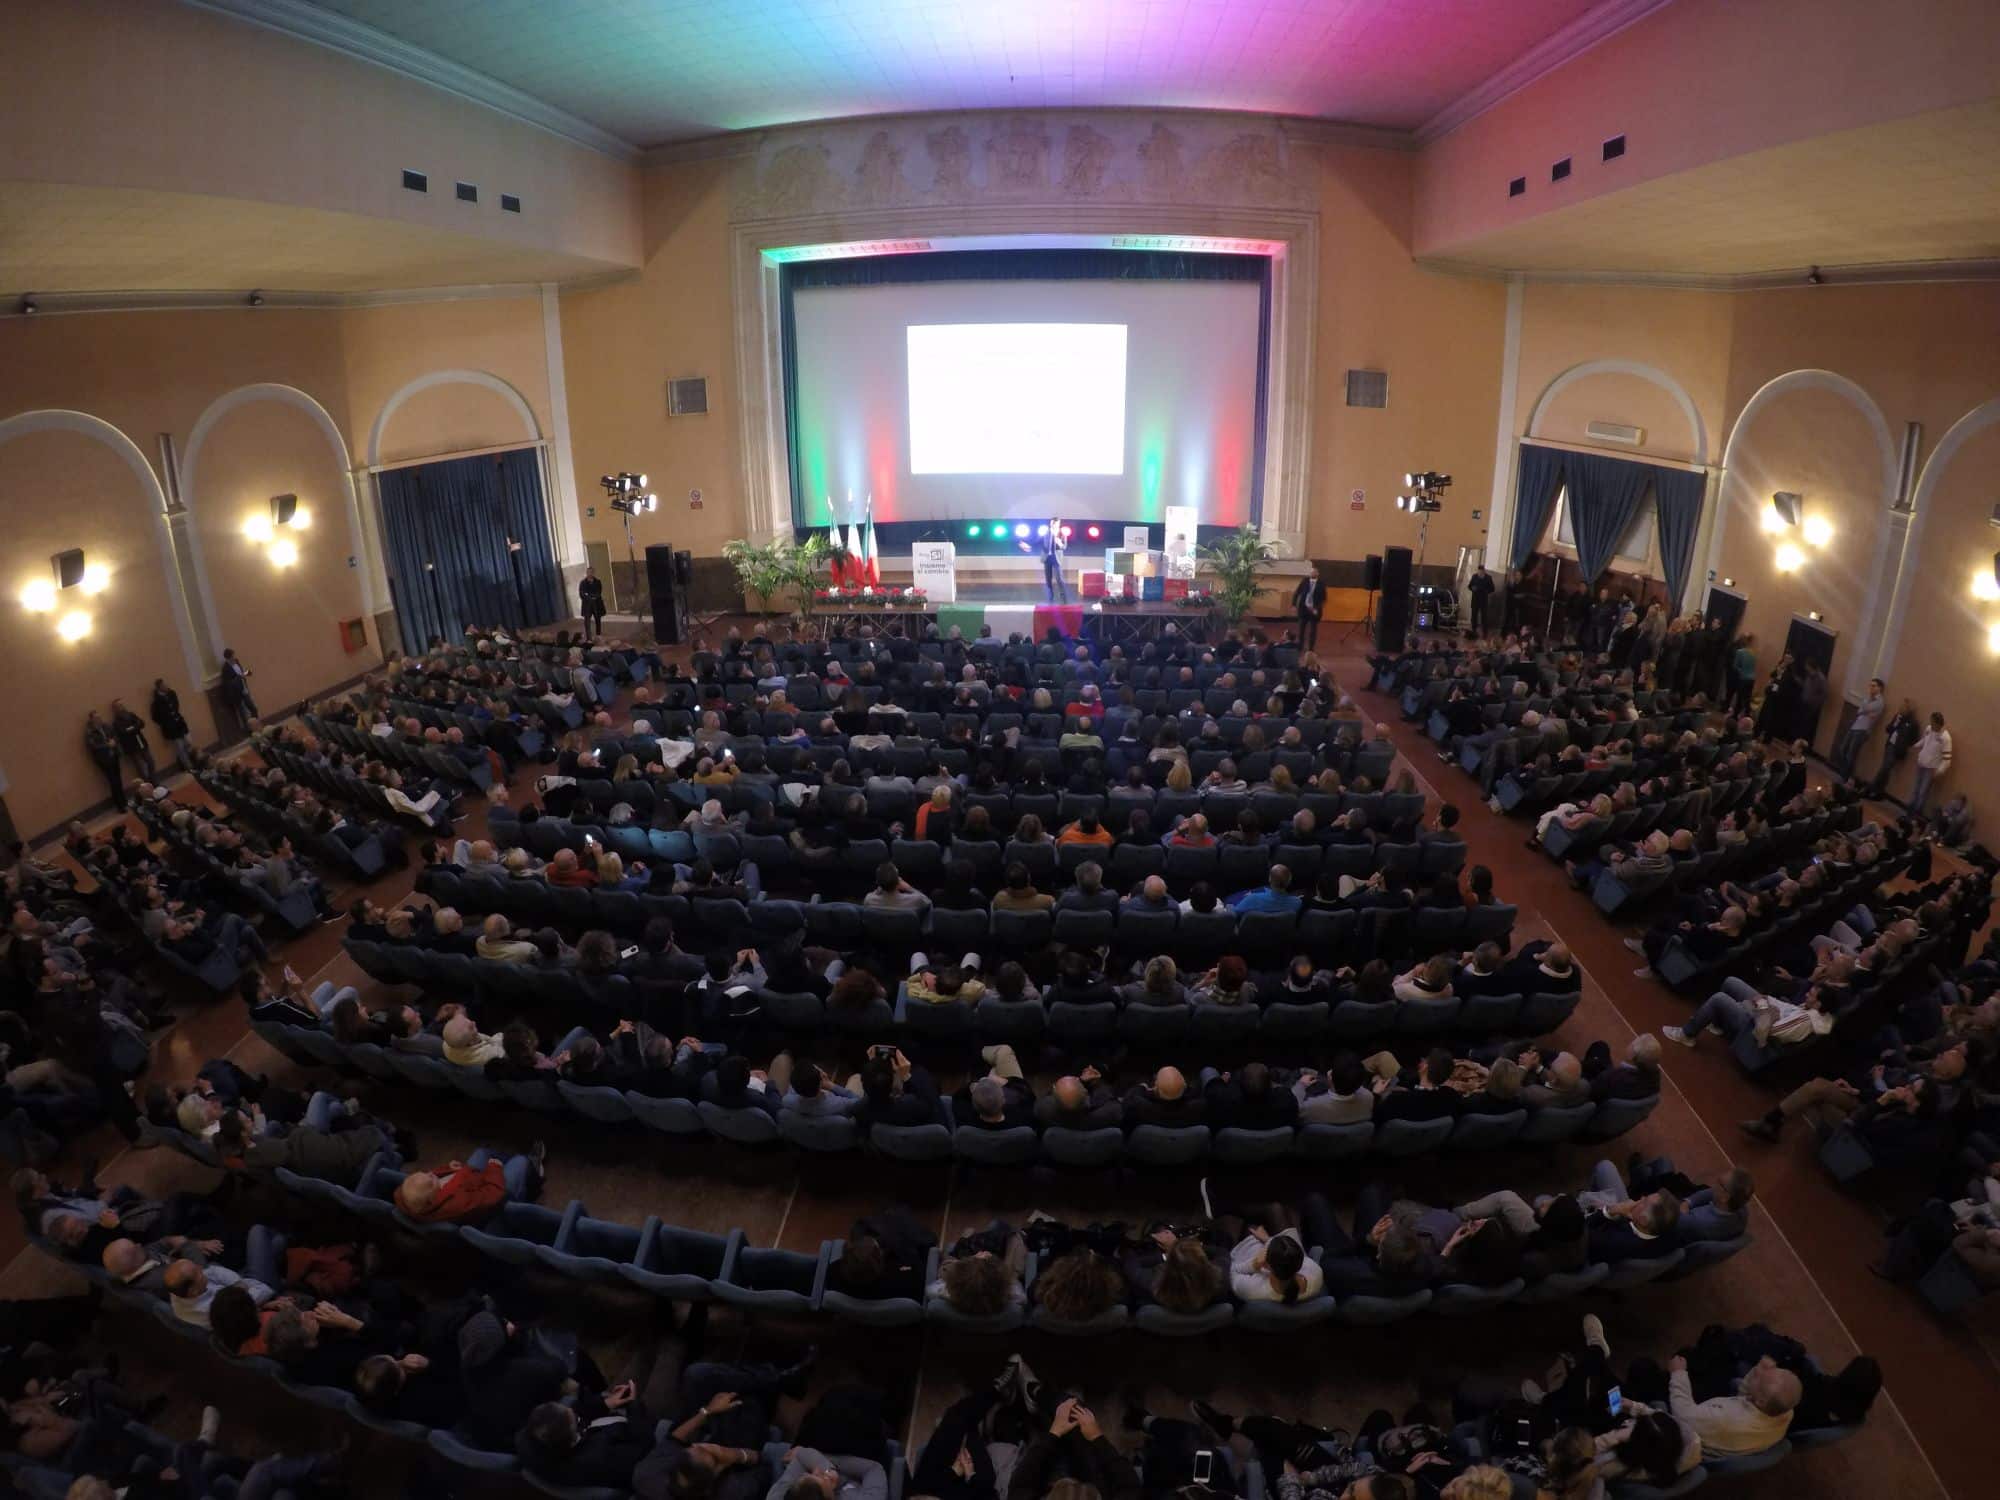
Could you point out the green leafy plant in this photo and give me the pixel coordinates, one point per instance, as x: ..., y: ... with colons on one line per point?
x: 1237, y: 562
x: 774, y: 570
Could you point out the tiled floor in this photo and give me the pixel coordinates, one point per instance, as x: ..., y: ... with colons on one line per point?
x: 1804, y: 1274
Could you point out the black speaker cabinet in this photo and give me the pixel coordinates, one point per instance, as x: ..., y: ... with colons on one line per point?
x: 669, y: 595
x: 1392, y: 610
x: 1371, y: 571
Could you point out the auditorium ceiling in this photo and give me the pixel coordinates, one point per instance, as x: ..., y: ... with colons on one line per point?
x: 653, y: 71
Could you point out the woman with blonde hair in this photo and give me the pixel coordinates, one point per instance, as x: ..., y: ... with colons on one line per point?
x: 1179, y: 777
x: 933, y: 820
x: 626, y: 769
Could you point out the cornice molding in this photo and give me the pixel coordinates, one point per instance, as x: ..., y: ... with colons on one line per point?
x: 1586, y: 31
x: 1302, y: 128
x: 57, y: 304
x: 1880, y: 273
x: 326, y: 28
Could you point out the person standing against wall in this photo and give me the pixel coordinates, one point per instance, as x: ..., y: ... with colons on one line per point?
x: 1742, y: 675
x: 1866, y: 717
x: 1902, y: 733
x: 171, y: 722
x: 131, y: 732
x: 1933, y: 760
x: 103, y: 747
x: 1480, y: 588
x: 236, y: 687
x: 590, y: 602
x: 1309, y: 598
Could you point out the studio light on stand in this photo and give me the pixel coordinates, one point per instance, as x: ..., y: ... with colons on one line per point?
x: 627, y: 494
x: 1423, y: 501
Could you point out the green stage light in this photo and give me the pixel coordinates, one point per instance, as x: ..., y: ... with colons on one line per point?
x: 973, y: 529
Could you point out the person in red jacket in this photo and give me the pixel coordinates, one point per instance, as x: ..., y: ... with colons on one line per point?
x: 471, y: 1192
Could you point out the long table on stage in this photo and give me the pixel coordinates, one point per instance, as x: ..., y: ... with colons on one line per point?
x: 1108, y: 621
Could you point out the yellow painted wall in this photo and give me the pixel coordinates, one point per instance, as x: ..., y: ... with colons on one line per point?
x: 384, y: 349
x: 1440, y: 339
x: 282, y: 622
x: 621, y: 345
x: 62, y: 490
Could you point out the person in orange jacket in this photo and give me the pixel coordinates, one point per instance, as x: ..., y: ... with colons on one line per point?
x: 471, y: 1192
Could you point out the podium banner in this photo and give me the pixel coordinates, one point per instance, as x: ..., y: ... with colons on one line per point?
x: 934, y: 569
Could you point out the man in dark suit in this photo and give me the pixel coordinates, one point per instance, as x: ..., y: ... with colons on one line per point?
x: 1247, y: 1099
x: 1309, y: 598
x: 1165, y: 1101
x: 590, y: 602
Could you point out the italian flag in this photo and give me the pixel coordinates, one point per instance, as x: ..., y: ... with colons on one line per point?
x: 871, y: 560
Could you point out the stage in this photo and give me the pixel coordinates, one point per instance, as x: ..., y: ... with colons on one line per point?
x: 1015, y: 609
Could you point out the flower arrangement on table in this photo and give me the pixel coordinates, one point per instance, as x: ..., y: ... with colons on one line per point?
x: 1197, y: 599
x: 871, y: 595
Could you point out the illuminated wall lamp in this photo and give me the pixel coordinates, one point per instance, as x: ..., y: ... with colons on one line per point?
x: 1818, y: 530
x: 69, y: 572
x: 1993, y: 637
x: 1789, y: 559
x: 287, y: 515
x: 1986, y: 585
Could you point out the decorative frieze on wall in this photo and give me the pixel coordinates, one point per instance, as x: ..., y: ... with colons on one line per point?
x: 1110, y: 157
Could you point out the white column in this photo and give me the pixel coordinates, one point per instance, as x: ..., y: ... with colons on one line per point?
x: 1500, y: 509
x: 569, y: 543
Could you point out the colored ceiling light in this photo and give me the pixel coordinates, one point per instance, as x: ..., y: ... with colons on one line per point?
x: 1021, y: 529
x: 1093, y: 532
x: 973, y: 529
x: 1043, y: 529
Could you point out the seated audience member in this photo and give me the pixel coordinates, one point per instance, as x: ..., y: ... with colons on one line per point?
x: 1164, y: 1102
x: 1080, y: 1101
x: 980, y: 1276
x: 884, y: 1256
x: 460, y: 1194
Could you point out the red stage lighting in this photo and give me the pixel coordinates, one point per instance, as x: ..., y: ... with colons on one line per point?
x: 1093, y: 532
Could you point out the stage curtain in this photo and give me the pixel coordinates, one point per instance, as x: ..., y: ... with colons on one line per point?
x: 1677, y: 497
x: 1603, y: 495
x: 445, y: 527
x: 1538, y: 475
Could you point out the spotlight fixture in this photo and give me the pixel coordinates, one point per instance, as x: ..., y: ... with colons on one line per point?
x: 973, y: 529
x: 1094, y: 532
x: 1729, y: 583
x: 1043, y: 529
x: 628, y: 494
x: 1021, y: 528
x: 29, y: 307
x: 1785, y: 506
x: 1813, y: 277
x: 1815, y: 616
x: 256, y: 299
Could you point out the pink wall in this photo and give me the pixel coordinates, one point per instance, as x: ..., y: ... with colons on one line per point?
x: 1700, y: 81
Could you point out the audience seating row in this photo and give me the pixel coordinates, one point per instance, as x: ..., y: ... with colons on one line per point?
x: 683, y: 1119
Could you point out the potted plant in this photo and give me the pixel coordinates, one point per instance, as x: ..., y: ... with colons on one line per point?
x: 778, y: 568
x: 1237, y: 562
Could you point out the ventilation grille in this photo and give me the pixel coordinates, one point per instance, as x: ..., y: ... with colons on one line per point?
x: 509, y: 204
x: 1559, y: 171
x: 687, y: 398
x: 1614, y: 148
x: 1613, y: 432
x: 468, y: 192
x: 416, y: 182
x: 1517, y: 187
x: 1367, y: 387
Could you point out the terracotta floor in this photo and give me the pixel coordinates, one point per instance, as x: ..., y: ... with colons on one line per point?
x: 1804, y: 1274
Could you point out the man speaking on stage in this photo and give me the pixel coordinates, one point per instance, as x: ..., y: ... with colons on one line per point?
x: 1052, y: 556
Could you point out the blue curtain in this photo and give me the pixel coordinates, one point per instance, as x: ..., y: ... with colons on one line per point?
x: 1677, y: 496
x: 1538, y: 474
x: 446, y: 526
x: 1604, y: 495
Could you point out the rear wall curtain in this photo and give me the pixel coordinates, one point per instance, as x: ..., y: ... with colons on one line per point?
x: 1604, y: 495
x: 1677, y: 497
x: 446, y: 527
x: 1538, y: 474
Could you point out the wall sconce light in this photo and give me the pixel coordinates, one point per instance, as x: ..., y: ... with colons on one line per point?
x: 1729, y: 583
x: 1785, y: 508
x: 1985, y: 585
x: 286, y: 515
x: 70, y: 574
x: 1818, y: 530
x: 1993, y: 637
x: 1815, y: 616
x: 1789, y: 559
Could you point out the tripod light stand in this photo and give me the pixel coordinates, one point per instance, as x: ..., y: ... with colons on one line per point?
x: 627, y: 494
